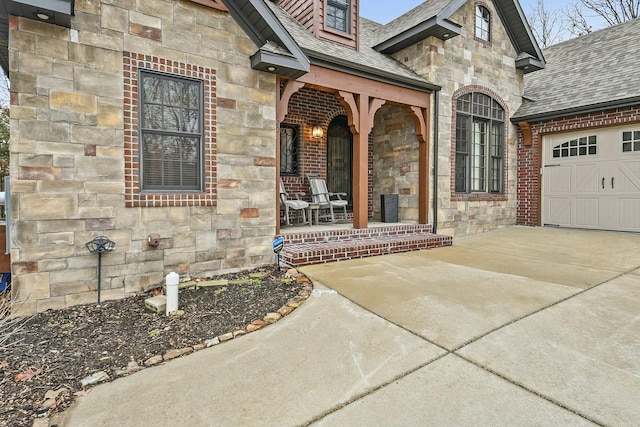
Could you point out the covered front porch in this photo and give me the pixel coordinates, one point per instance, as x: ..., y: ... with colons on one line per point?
x: 364, y: 137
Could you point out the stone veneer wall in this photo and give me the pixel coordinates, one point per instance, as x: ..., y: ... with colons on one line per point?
x: 70, y: 137
x: 530, y: 156
x: 460, y: 65
x: 396, y: 161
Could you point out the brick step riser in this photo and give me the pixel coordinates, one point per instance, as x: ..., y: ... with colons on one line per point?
x: 319, y: 253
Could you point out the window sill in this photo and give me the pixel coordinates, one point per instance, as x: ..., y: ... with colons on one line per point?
x: 479, y: 197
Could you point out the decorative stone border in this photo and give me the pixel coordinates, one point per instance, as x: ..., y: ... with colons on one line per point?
x: 268, y: 319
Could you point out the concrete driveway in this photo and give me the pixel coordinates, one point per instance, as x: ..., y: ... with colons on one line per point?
x: 529, y: 317
x: 520, y: 326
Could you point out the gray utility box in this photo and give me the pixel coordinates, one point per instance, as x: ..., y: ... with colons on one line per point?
x: 389, y: 207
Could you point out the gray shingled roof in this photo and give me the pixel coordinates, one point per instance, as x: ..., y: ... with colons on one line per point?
x: 406, y: 21
x: 364, y: 61
x: 593, y: 72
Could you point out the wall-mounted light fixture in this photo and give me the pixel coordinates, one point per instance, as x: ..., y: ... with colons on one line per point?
x: 42, y: 16
x: 317, y: 132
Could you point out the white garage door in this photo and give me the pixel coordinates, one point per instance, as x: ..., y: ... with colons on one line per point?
x: 591, y: 179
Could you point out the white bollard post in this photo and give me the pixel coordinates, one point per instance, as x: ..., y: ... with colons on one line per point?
x: 172, y: 281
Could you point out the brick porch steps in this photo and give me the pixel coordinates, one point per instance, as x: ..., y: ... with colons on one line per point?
x: 317, y: 247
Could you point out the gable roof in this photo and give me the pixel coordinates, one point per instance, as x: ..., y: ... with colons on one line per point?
x: 277, y: 51
x: 365, y: 62
x: 593, y: 72
x: 432, y: 18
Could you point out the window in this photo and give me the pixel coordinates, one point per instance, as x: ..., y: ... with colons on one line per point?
x: 289, y: 147
x: 479, y: 144
x: 585, y: 146
x: 630, y: 141
x: 170, y: 132
x: 483, y: 23
x: 337, y: 14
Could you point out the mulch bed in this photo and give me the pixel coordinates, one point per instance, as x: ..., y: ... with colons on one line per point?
x: 49, y: 353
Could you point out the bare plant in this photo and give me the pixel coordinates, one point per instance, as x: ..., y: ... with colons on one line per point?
x: 9, y: 326
x: 581, y: 13
x: 548, y: 25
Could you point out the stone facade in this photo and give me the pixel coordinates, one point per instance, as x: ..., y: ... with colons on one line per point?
x: 395, y: 161
x: 462, y: 65
x: 71, y: 152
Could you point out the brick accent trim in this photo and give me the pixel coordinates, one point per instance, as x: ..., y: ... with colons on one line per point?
x: 132, y: 63
x: 530, y: 156
x: 478, y: 197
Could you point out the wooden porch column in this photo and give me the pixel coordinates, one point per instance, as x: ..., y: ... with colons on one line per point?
x: 362, y: 109
x: 421, y: 118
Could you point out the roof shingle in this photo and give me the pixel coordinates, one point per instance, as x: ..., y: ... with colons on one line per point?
x: 599, y: 69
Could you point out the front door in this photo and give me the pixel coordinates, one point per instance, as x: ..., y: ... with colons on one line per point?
x: 339, y: 158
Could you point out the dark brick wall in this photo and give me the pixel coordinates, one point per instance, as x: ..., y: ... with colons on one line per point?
x: 309, y: 107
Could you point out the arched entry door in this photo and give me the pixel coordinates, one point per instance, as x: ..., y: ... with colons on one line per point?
x: 340, y: 158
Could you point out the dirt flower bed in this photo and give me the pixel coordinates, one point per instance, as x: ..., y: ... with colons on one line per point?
x: 44, y: 358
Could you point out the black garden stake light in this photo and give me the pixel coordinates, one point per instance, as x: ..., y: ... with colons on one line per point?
x: 97, y: 246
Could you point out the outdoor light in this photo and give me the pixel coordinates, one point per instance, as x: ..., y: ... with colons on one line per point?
x: 271, y: 68
x: 445, y: 35
x: 42, y: 16
x: 99, y: 245
x: 317, y: 132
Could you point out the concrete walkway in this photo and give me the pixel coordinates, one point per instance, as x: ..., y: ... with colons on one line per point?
x: 520, y: 326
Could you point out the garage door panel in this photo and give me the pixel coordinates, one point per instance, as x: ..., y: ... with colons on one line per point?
x: 587, y: 211
x: 586, y: 178
x: 559, y: 210
x: 629, y: 214
x: 558, y: 180
x: 629, y: 177
x: 592, y: 180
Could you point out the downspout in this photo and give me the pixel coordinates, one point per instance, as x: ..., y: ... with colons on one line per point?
x: 436, y: 102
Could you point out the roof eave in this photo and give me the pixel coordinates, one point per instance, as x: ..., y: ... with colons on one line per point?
x: 333, y: 63
x: 529, y: 65
x: 433, y: 27
x: 584, y: 109
x: 267, y: 28
x: 58, y: 12
x: 282, y: 65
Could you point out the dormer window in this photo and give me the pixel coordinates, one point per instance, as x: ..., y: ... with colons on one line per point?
x: 483, y: 23
x: 338, y: 14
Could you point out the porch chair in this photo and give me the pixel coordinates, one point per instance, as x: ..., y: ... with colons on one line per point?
x: 296, y: 204
x: 323, y: 197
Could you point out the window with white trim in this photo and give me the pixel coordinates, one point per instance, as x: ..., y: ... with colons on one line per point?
x: 171, y: 132
x: 584, y: 146
x: 483, y: 23
x: 630, y: 141
x: 479, y: 161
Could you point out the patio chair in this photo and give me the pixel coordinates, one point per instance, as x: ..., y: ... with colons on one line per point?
x: 325, y: 199
x: 296, y: 204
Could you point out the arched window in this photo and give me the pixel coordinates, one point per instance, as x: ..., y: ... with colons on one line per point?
x: 483, y: 23
x: 479, y: 144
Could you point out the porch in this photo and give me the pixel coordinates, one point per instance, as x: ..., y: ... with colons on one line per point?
x: 306, y: 245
